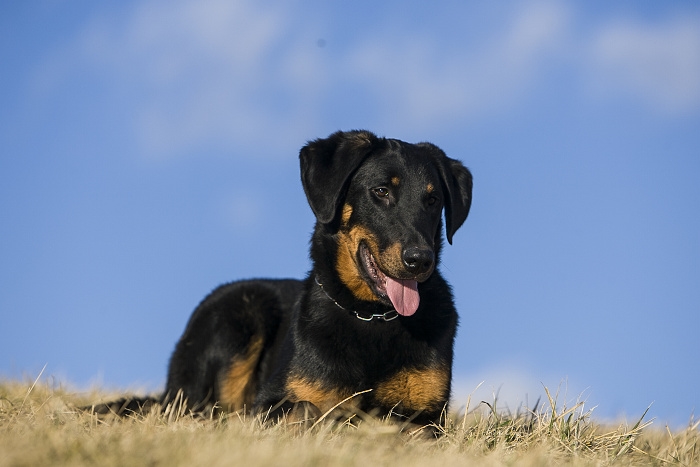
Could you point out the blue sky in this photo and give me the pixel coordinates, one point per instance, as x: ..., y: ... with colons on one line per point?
x: 149, y: 153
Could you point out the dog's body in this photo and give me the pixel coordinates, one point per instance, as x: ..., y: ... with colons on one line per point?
x: 373, y: 314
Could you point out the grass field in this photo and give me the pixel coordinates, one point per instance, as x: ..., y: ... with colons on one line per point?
x: 40, y: 426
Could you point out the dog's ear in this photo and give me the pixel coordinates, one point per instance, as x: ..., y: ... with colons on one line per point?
x: 459, y: 199
x: 457, y: 187
x: 327, y: 166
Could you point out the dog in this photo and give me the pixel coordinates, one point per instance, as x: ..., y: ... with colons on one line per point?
x: 371, y: 329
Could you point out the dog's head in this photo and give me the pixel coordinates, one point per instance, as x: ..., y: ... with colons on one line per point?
x: 383, y: 200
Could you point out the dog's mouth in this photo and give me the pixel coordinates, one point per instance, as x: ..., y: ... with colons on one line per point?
x: 402, y: 293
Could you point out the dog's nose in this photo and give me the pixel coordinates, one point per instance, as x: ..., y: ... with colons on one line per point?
x: 418, y: 260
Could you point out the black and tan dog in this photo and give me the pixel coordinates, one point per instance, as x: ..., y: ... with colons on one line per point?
x: 373, y: 314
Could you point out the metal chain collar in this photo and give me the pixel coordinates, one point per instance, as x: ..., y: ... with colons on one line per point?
x: 388, y: 316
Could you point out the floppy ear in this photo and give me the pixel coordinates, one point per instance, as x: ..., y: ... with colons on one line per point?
x: 457, y: 187
x: 326, y: 168
x: 459, y: 190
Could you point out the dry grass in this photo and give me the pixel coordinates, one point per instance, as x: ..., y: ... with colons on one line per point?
x: 39, y: 425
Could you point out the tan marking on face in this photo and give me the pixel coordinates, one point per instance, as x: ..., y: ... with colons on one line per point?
x: 347, y: 212
x: 395, y: 181
x: 346, y: 263
x: 430, y: 188
x: 238, y: 387
x: 300, y: 389
x: 390, y: 261
x: 415, y: 389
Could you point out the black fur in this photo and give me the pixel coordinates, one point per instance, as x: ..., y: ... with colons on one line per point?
x: 264, y: 344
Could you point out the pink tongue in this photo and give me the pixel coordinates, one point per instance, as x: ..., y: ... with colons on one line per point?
x: 403, y: 295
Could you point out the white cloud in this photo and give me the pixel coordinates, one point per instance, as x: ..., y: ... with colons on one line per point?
x: 513, y: 389
x: 659, y: 64
x: 424, y: 85
x: 225, y: 74
x: 207, y: 73
x: 216, y: 74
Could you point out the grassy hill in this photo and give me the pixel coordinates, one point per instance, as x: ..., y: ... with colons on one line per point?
x: 40, y: 425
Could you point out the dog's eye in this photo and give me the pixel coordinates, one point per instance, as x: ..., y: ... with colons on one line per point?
x: 381, y: 192
x: 432, y: 200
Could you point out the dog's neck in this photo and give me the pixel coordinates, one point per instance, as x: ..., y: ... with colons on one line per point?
x: 388, y: 316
